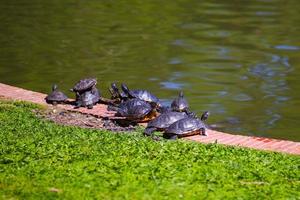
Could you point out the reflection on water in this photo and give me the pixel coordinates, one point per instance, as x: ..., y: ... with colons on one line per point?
x: 237, y: 59
x: 287, y: 47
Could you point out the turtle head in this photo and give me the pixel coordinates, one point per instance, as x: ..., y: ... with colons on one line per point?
x: 114, y: 87
x: 204, y: 116
x: 115, y: 90
x: 154, y: 105
x: 158, y: 104
x: 112, y: 92
x: 180, y: 94
x: 54, y: 87
x: 125, y: 88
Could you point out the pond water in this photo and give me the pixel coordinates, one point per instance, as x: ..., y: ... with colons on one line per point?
x: 238, y: 59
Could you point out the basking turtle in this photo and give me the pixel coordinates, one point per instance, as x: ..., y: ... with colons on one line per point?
x: 180, y: 104
x: 187, y: 127
x: 116, y: 94
x: 88, y: 98
x: 84, y: 85
x: 136, y: 110
x: 56, y: 96
x: 141, y: 94
x: 163, y: 121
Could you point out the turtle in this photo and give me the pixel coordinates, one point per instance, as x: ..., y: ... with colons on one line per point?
x: 116, y: 94
x: 186, y: 127
x: 56, y: 96
x: 88, y: 98
x: 141, y: 94
x: 163, y: 121
x: 84, y: 85
x: 180, y: 104
x: 136, y: 110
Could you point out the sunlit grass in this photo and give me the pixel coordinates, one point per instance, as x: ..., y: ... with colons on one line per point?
x: 42, y: 160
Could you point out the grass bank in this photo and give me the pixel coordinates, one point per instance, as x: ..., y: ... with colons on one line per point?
x: 42, y: 160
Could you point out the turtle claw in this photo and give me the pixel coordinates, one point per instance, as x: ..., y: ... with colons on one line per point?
x: 204, y: 132
x: 90, y: 106
x: 156, y: 138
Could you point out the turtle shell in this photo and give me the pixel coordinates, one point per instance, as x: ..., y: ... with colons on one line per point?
x: 140, y: 94
x: 90, y: 97
x: 144, y: 95
x: 166, y: 119
x: 56, y: 96
x: 185, y: 127
x: 180, y: 103
x: 134, y: 109
x: 84, y: 84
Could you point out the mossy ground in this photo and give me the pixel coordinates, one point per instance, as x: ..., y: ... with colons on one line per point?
x: 42, y: 160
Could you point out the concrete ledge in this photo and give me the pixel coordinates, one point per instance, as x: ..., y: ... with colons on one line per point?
x: 100, y: 110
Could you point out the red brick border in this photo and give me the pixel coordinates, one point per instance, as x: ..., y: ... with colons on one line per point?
x: 100, y: 110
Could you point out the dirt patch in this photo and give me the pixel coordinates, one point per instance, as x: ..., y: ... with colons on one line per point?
x: 70, y: 118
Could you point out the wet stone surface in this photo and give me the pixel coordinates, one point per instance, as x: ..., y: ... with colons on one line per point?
x: 71, y: 118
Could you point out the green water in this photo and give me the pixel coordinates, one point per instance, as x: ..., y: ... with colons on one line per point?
x: 238, y: 59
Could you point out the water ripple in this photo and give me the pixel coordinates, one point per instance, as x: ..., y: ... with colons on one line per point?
x: 287, y: 47
x: 172, y: 85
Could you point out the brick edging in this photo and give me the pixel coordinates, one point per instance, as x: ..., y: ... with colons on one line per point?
x: 100, y: 110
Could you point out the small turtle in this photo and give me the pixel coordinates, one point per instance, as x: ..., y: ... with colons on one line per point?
x: 88, y: 98
x: 187, y: 127
x: 56, y: 96
x: 136, y: 110
x: 163, y: 121
x: 141, y: 94
x: 180, y: 104
x: 84, y: 85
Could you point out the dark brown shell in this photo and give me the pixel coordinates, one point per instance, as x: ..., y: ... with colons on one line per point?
x: 56, y: 95
x: 134, y: 109
x: 166, y: 119
x: 84, y: 84
x: 185, y: 127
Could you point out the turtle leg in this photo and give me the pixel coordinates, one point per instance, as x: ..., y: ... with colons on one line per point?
x: 90, y: 106
x: 149, y: 131
x: 54, y: 103
x: 170, y: 136
x: 173, y: 137
x: 203, y: 131
x: 112, y: 108
x: 190, y: 113
x: 77, y: 105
